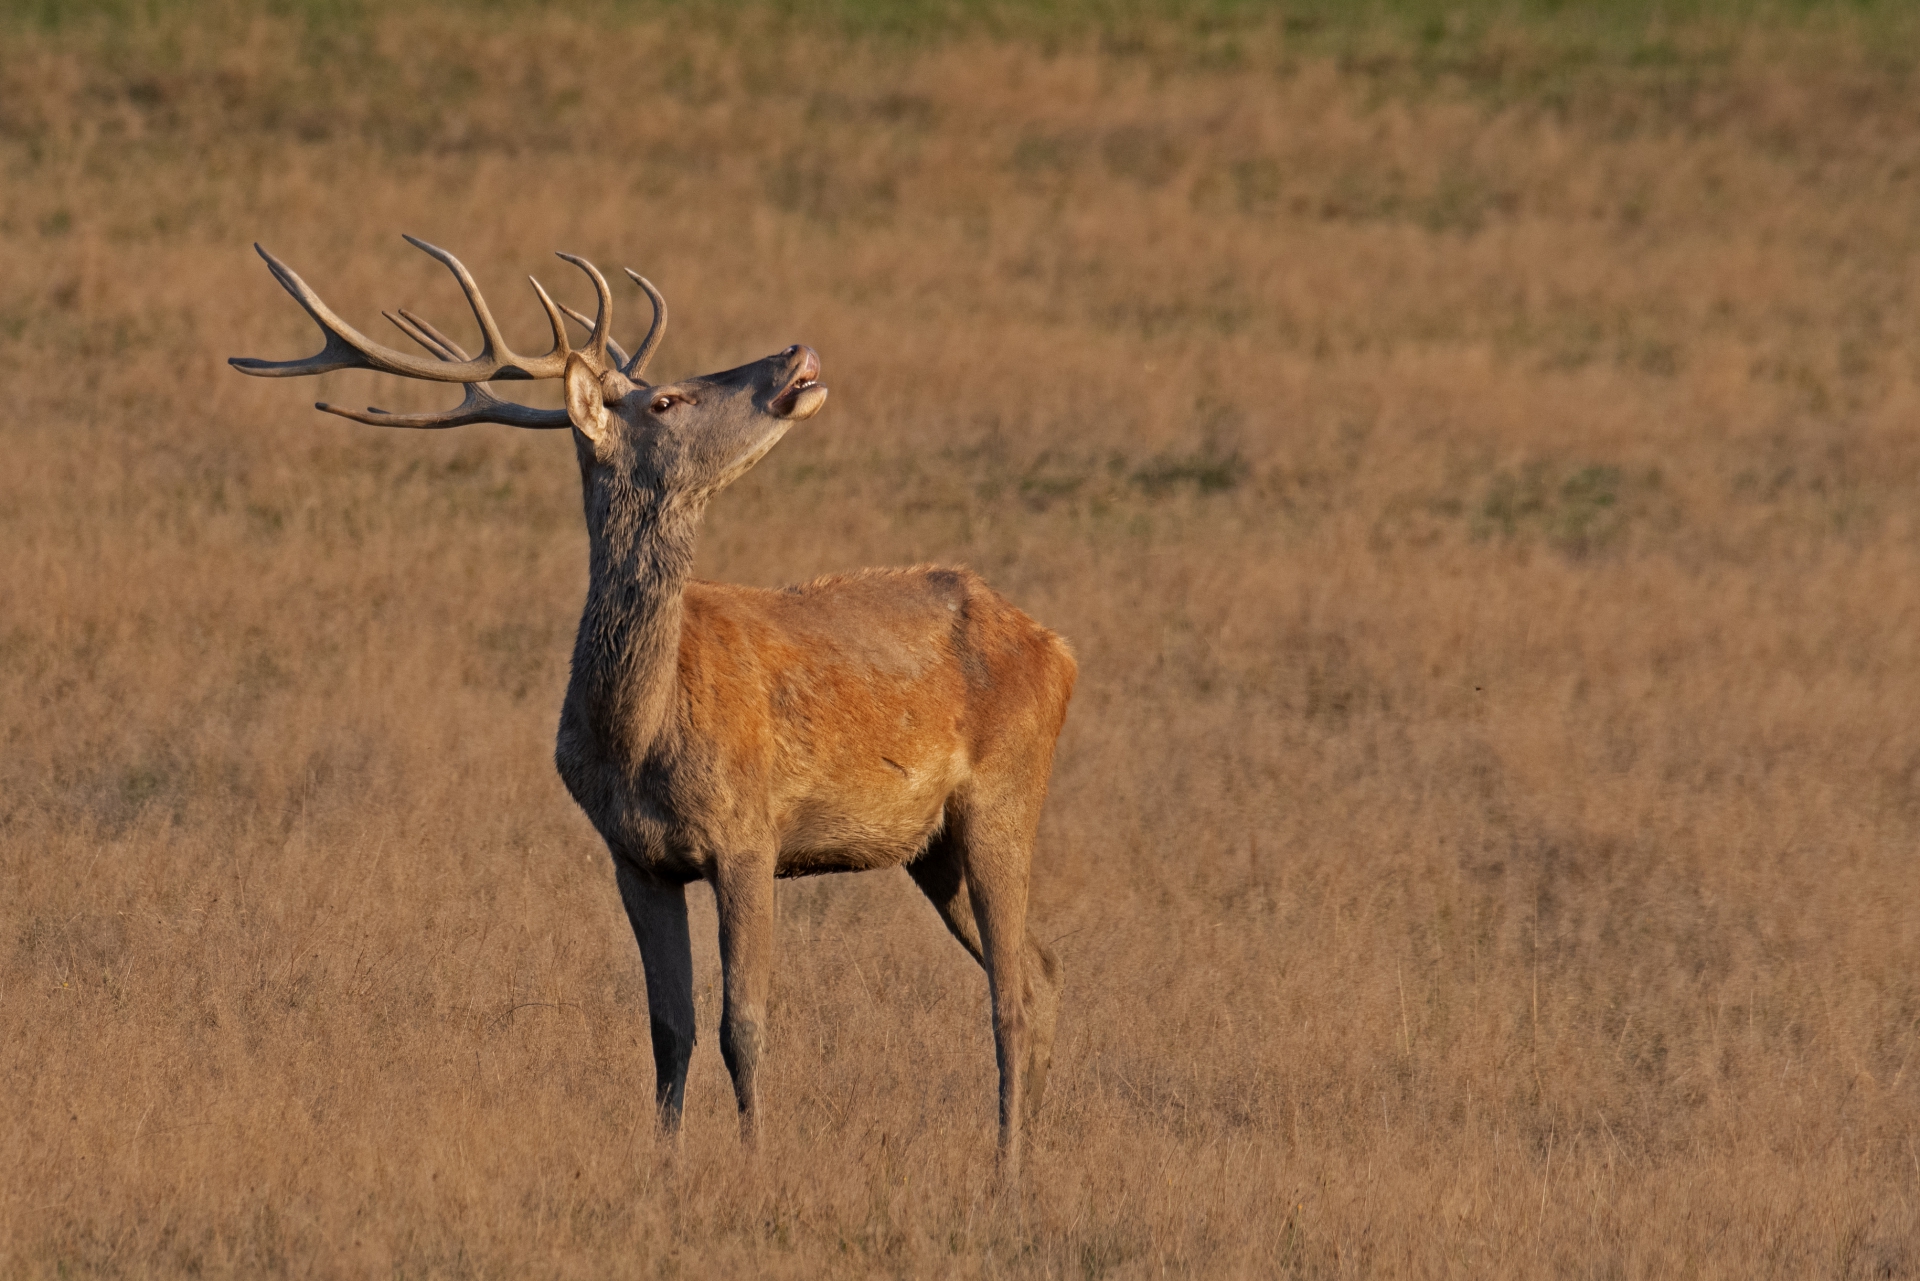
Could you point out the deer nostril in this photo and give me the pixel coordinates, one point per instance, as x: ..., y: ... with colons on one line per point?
x: 792, y: 351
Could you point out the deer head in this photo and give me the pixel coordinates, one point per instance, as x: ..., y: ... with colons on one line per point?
x: 688, y: 440
x: 684, y: 441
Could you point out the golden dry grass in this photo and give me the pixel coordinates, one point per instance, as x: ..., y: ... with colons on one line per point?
x: 1482, y: 496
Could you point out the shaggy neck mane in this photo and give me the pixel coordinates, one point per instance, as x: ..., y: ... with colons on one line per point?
x: 626, y: 657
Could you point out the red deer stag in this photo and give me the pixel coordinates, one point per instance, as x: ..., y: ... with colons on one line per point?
x: 885, y: 718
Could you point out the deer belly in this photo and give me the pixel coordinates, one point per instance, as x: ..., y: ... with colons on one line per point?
x: 881, y: 819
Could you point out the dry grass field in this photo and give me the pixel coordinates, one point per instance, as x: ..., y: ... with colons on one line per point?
x: 1476, y: 463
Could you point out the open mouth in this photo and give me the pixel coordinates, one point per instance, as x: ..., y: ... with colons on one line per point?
x: 803, y: 395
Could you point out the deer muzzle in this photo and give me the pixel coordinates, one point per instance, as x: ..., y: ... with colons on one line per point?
x: 803, y: 395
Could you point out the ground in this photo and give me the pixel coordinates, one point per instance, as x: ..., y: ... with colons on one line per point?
x: 1473, y: 459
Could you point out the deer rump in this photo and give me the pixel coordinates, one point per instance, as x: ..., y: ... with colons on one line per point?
x: 844, y: 722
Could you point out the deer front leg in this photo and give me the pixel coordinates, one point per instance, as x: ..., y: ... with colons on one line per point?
x: 658, y: 913
x: 743, y: 895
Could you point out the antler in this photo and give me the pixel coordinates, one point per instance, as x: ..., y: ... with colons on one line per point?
x: 347, y: 348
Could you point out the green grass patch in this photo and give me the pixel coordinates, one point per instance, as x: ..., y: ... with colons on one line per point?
x: 1640, y: 31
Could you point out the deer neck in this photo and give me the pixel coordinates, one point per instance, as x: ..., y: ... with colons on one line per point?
x: 626, y: 658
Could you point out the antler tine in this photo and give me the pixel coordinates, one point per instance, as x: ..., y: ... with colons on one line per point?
x: 603, y: 318
x: 561, y: 347
x: 492, y: 345
x: 347, y: 347
x: 614, y: 349
x: 426, y: 335
x: 656, y: 332
x: 478, y: 406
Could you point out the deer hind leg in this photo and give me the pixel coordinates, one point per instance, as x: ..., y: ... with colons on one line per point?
x: 658, y: 913
x: 940, y: 873
x: 996, y: 852
x: 743, y: 893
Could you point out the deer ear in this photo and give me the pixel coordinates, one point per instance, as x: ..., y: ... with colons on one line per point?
x: 586, y: 404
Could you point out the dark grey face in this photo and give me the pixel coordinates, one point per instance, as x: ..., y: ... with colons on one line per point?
x: 691, y: 438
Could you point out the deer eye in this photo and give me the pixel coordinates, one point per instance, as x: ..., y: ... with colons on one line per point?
x: 661, y: 404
